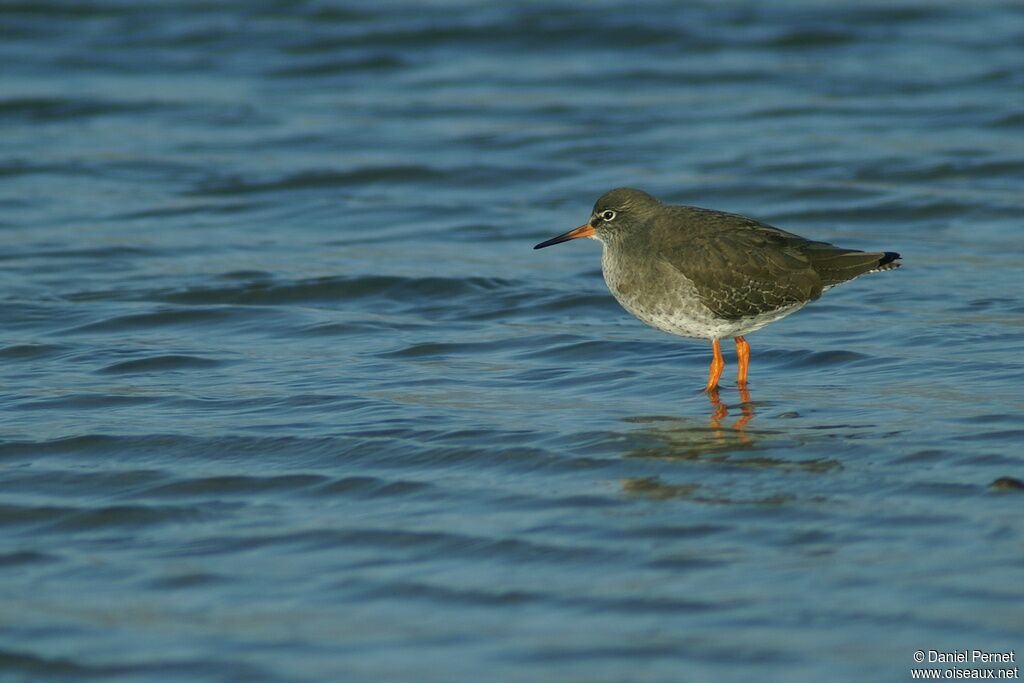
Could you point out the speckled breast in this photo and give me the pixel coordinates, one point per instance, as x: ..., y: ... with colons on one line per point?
x: 664, y: 298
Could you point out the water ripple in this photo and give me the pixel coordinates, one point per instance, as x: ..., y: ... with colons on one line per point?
x: 161, y: 363
x: 286, y: 395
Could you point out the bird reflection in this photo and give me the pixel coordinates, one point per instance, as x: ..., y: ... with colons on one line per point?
x: 720, y: 411
x: 692, y: 438
x: 724, y: 439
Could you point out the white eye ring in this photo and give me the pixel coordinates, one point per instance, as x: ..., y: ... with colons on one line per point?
x: 608, y: 215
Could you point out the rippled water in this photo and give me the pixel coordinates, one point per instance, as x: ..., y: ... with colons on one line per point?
x: 287, y: 396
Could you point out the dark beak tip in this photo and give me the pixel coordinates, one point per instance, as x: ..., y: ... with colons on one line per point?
x: 551, y: 242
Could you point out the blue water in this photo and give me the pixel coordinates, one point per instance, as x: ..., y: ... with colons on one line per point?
x: 285, y: 394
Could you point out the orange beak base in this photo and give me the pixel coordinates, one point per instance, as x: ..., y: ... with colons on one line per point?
x: 582, y: 231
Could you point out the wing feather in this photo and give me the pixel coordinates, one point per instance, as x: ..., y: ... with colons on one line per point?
x: 740, y: 268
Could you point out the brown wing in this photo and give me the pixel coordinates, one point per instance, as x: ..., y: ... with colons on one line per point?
x: 835, y: 264
x: 740, y: 267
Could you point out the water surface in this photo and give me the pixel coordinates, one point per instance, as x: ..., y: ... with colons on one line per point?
x: 287, y: 396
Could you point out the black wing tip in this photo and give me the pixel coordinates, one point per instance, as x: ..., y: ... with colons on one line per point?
x: 890, y: 261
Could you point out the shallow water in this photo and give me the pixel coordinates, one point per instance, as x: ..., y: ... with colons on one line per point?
x: 287, y: 396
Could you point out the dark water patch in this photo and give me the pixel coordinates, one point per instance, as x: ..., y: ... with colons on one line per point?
x: 942, y: 490
x: 991, y: 418
x: 443, y: 595
x: 996, y: 436
x: 20, y: 515
x: 68, y: 445
x: 319, y: 15
x: 508, y: 458
x: 168, y: 317
x: 926, y: 455
x: 441, y: 350
x: 67, y: 483
x: 57, y: 109
x: 226, y: 447
x: 135, y: 170
x: 644, y: 605
x: 913, y: 209
x: 579, y: 351
x: 338, y: 67
x: 890, y: 13
x: 188, y: 580
x: 163, y: 363
x: 323, y: 179
x: 17, y: 352
x: 996, y: 303
x: 24, y: 557
x: 39, y: 667
x: 675, y: 531
x: 273, y: 416
x: 236, y: 485
x: 572, y: 303
x: 344, y: 329
x: 247, y: 275
x: 651, y: 650
x: 931, y: 169
x: 100, y: 253
x: 554, y: 376
x: 814, y: 359
x: 197, y: 37
x: 683, y: 562
x: 31, y: 665
x: 125, y: 516
x: 200, y: 209
x: 814, y: 465
x: 812, y: 38
x: 812, y: 537
x: 1009, y: 121
x: 340, y: 290
x: 370, y: 487
x: 410, y: 543
x: 19, y: 167
x: 53, y: 10
x: 119, y: 294
x: 913, y: 521
x: 675, y: 75
x: 87, y: 401
x: 566, y: 502
x: 1008, y: 459
x: 528, y: 28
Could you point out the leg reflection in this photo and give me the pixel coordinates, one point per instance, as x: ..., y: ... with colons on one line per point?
x: 720, y: 411
x: 747, y: 408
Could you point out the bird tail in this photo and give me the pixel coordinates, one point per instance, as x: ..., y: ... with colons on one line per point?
x: 889, y: 261
x: 835, y: 265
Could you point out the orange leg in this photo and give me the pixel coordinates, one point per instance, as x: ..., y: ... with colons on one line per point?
x: 743, y: 354
x: 717, y: 365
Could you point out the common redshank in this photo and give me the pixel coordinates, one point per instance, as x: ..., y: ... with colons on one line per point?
x: 709, y: 274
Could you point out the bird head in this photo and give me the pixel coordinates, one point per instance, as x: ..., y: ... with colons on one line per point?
x: 617, y: 213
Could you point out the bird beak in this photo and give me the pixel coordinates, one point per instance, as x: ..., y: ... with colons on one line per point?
x: 582, y: 231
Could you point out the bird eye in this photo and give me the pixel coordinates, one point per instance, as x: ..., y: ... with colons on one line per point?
x: 608, y: 215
